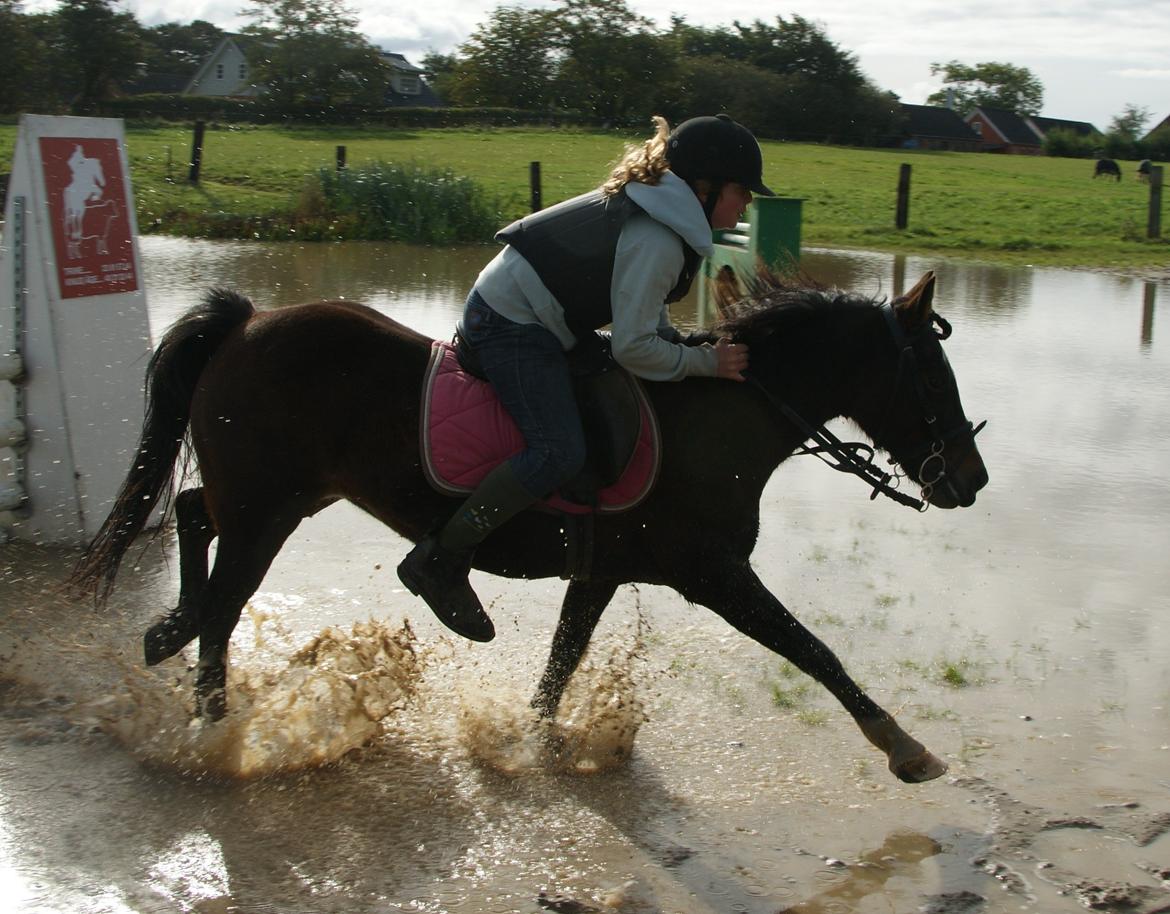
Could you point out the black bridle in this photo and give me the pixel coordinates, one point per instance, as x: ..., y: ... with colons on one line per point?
x: 856, y: 457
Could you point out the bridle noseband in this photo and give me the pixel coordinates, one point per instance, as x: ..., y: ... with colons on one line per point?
x: 856, y: 457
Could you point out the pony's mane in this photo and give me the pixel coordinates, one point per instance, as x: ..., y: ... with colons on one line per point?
x: 764, y: 302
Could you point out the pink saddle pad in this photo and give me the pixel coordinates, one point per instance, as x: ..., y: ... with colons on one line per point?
x: 466, y: 433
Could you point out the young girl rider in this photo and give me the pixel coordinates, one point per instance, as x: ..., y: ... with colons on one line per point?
x: 618, y: 256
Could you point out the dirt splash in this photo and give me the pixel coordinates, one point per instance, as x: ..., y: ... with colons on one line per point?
x: 594, y: 731
x: 290, y: 709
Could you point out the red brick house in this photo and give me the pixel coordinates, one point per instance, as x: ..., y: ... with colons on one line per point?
x: 1001, y: 130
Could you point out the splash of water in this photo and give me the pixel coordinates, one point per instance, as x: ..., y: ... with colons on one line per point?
x: 594, y: 730
x: 288, y: 711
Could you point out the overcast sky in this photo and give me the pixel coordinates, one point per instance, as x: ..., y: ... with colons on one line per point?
x: 1093, y: 56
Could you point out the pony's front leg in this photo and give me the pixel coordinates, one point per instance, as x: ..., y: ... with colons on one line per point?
x: 581, y: 609
x: 179, y: 627
x: 737, y: 595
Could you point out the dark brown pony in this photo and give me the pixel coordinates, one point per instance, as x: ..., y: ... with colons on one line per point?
x: 293, y: 409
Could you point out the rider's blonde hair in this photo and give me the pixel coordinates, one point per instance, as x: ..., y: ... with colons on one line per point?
x: 642, y: 162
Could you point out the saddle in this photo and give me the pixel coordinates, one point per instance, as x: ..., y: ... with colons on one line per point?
x: 466, y: 432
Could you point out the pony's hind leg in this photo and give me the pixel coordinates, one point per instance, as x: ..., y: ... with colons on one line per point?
x: 581, y: 609
x: 179, y: 627
x: 241, y: 561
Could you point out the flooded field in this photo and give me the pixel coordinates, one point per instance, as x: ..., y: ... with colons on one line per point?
x: 373, y: 764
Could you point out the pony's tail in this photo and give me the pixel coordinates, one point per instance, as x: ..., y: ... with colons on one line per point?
x: 171, y: 378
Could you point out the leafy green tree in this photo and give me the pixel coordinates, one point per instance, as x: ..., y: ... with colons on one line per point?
x: 798, y: 46
x: 817, y: 90
x: 46, y: 74
x: 507, y: 62
x: 1128, y: 125
x: 990, y: 84
x: 177, y: 49
x: 613, y: 60
x: 697, y: 41
x: 1123, y: 138
x: 708, y: 84
x: 19, y: 60
x: 309, y: 52
x: 1070, y: 144
x: 100, y: 49
x: 441, y: 70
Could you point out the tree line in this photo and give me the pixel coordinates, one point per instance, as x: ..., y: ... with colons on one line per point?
x: 72, y: 58
x: 785, y: 77
x: 594, y: 58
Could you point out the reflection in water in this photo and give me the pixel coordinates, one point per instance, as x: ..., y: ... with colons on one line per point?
x: 1149, y: 296
x: 898, y: 856
x: 419, y: 286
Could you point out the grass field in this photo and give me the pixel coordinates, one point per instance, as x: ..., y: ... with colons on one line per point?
x: 1019, y: 209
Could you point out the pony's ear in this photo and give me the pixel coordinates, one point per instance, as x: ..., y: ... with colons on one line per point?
x: 914, y: 307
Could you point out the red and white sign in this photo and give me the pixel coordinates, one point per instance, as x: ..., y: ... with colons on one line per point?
x: 89, y: 215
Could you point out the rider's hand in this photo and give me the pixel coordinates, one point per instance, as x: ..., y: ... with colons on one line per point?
x: 732, y: 359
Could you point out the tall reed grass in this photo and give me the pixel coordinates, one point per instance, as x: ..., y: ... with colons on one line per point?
x: 384, y: 201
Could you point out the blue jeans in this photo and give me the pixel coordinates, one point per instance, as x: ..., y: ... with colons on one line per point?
x: 527, y: 367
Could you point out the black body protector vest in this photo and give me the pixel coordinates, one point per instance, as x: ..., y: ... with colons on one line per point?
x: 572, y: 247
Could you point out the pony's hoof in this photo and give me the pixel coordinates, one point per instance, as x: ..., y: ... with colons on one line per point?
x: 212, y: 707
x: 168, y: 636
x: 923, y: 767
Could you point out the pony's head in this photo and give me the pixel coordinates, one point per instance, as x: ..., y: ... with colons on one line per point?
x: 880, y: 364
x: 923, y: 425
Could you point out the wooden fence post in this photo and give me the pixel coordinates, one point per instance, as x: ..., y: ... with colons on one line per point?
x: 1154, y: 222
x: 196, y: 154
x: 534, y: 185
x: 340, y: 158
x: 902, y: 217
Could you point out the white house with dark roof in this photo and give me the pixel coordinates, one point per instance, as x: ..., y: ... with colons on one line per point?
x: 225, y: 72
x: 408, y: 86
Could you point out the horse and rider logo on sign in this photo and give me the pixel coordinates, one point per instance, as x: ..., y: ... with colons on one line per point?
x: 88, y: 214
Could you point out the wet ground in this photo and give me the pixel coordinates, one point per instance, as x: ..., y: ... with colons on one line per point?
x: 372, y: 764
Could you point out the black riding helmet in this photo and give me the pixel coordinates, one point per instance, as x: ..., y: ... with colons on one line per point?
x: 717, y: 149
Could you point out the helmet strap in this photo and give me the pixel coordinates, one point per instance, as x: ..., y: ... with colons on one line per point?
x: 712, y: 200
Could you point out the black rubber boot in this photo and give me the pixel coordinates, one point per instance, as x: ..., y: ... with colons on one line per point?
x: 436, y: 569
x: 439, y: 576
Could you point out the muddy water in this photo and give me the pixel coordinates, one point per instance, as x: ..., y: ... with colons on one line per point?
x: 372, y: 764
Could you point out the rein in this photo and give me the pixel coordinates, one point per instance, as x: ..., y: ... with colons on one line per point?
x: 856, y: 457
x: 848, y: 455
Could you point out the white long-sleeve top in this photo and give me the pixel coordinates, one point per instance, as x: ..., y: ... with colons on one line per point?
x: 646, y: 268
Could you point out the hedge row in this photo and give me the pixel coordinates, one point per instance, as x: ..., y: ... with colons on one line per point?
x: 261, y: 111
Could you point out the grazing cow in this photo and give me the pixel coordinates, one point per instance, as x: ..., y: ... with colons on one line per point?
x: 1107, y: 167
x: 1143, y: 171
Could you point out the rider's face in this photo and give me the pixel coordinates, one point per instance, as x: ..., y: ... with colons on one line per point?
x: 729, y: 209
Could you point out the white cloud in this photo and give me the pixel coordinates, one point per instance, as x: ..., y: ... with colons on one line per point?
x: 1133, y: 73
